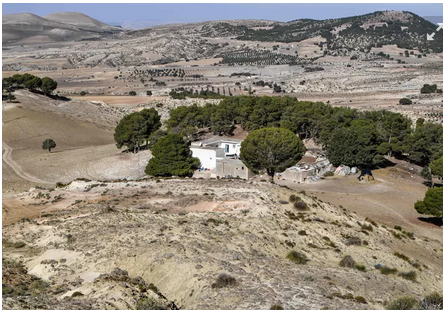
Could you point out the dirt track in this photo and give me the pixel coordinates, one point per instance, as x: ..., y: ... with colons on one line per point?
x: 7, y: 158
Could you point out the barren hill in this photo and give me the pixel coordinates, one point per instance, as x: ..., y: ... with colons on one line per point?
x: 81, y: 21
x: 28, y: 28
x: 99, y: 245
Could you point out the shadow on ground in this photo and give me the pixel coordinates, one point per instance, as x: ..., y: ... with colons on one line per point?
x: 432, y: 220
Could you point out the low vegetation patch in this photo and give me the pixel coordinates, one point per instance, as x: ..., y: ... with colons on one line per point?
x: 386, y: 270
x: 301, y: 205
x: 297, y: 257
x: 402, y: 303
x: 349, y: 262
x: 224, y: 280
x: 353, y: 241
x: 411, y: 276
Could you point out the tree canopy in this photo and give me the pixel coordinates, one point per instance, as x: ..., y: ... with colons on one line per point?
x: 387, y: 133
x: 172, y: 157
x: 48, y: 85
x: 30, y: 82
x: 134, y: 129
x: 271, y: 149
x: 432, y: 204
x: 48, y: 144
x: 354, y: 146
x: 437, y: 167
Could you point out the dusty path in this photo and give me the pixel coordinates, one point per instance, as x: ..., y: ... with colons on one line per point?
x: 7, y: 158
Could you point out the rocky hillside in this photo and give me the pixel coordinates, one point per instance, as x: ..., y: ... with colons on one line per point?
x: 207, y: 244
x: 405, y: 29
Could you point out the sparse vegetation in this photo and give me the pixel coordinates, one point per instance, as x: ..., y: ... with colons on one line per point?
x: 297, y: 257
x: 224, y: 280
x: 402, y: 303
x: 410, y: 275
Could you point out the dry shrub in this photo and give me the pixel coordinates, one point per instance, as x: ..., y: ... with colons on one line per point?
x: 353, y: 241
x: 411, y: 276
x: 301, y: 205
x: 347, y: 262
x: 224, y: 280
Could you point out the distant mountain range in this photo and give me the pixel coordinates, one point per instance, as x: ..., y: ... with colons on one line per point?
x: 406, y: 30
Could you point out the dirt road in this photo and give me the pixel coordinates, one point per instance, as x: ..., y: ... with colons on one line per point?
x: 7, y: 158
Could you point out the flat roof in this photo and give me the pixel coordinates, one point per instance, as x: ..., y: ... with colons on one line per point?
x: 216, y: 139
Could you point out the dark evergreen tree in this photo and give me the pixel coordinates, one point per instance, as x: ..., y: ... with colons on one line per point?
x: 172, y: 157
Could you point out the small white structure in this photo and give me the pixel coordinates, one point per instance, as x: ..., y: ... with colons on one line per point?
x: 220, y: 156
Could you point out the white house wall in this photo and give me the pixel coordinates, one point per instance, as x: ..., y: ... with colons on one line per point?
x: 234, y: 148
x: 206, y: 156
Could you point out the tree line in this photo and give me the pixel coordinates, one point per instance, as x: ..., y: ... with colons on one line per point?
x: 30, y: 82
x: 350, y: 137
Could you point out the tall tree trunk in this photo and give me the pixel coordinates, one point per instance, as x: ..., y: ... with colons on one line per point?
x: 271, y: 173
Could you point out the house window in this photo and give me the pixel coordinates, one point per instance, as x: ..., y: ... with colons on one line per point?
x: 242, y: 168
x: 227, y: 148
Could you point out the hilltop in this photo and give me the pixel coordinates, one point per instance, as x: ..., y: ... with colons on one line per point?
x: 29, y: 28
x: 405, y: 29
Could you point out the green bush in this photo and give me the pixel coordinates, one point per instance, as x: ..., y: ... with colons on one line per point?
x: 360, y: 267
x: 402, y: 303
x: 328, y: 174
x: 411, y: 275
x: 293, y: 198
x: 402, y: 256
x: 297, y: 257
x: 432, y: 301
x: 386, y: 270
x: 77, y: 294
x: 367, y: 227
x: 132, y: 93
x: 405, y: 101
x: 360, y: 299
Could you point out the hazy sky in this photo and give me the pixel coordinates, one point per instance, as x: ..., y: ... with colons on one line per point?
x: 152, y: 13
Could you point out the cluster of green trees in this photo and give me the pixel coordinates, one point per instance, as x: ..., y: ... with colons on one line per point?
x: 30, y: 82
x: 258, y: 58
x: 181, y: 93
x: 350, y: 137
x: 134, y: 129
x: 172, y: 156
x: 354, y: 35
x: 429, y: 89
x: 432, y: 204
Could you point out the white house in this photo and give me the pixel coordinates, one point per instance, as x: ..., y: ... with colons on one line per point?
x: 221, y: 155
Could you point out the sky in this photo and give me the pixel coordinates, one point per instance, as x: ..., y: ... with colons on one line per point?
x: 147, y: 14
